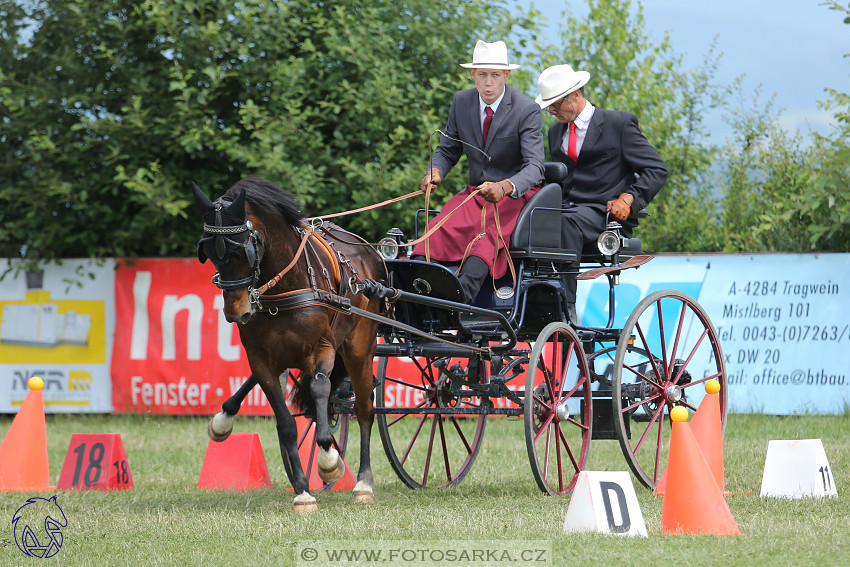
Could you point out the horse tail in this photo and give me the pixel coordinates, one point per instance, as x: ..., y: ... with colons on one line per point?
x: 302, y: 397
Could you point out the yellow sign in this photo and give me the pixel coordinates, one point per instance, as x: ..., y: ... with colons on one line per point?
x: 40, y: 331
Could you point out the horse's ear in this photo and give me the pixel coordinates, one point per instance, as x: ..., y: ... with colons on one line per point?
x: 201, y: 200
x: 237, y: 209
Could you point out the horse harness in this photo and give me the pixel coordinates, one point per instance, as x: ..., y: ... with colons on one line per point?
x: 314, y: 296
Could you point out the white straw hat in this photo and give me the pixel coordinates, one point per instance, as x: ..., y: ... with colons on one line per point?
x: 557, y: 82
x: 490, y: 56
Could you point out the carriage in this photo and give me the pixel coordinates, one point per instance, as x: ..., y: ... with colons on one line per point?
x: 444, y: 367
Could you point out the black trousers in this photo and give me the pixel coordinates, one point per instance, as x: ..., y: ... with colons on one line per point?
x: 472, y: 274
x: 582, y: 224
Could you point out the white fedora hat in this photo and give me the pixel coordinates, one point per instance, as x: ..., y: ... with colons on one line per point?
x: 557, y: 82
x: 490, y: 56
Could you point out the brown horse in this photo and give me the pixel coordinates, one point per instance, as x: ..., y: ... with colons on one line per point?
x: 256, y: 233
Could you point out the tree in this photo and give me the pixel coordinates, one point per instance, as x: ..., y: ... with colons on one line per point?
x: 782, y: 193
x: 109, y: 109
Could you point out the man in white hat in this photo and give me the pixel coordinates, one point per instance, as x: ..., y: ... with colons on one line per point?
x: 501, y: 132
x: 612, y: 167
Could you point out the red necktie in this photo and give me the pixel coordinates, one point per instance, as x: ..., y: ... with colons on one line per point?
x: 571, y: 145
x: 489, y: 118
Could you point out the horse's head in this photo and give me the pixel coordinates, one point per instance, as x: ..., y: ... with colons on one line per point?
x: 235, y: 248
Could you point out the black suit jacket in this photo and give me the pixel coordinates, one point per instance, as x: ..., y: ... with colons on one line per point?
x: 615, y: 158
x: 514, y: 143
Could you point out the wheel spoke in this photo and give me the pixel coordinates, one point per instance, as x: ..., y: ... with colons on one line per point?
x: 658, y: 444
x: 567, y: 447
x: 556, y: 432
x: 402, y: 416
x: 549, y: 416
x: 413, y: 439
x: 408, y: 384
x: 460, y: 434
x: 692, y: 353
x: 662, y: 336
x: 430, y: 448
x: 654, y: 419
x: 647, y: 348
x: 676, y: 341
x: 445, y: 452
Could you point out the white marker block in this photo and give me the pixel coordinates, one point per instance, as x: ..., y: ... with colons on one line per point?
x: 797, y: 469
x: 605, y: 502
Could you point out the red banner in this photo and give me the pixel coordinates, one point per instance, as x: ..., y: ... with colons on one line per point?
x: 174, y: 352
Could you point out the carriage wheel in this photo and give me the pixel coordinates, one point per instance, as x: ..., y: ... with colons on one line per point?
x: 558, y: 409
x: 430, y: 449
x: 667, y: 350
x: 337, y: 421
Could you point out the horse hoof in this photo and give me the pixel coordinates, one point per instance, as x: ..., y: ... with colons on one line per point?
x: 220, y: 427
x: 331, y: 465
x: 363, y: 493
x: 305, y: 503
x: 365, y: 497
x: 332, y: 474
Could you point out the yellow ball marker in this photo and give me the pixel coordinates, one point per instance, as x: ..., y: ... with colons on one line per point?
x: 712, y: 387
x: 35, y: 383
x: 679, y: 414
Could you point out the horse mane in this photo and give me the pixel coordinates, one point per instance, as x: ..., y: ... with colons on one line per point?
x: 264, y: 194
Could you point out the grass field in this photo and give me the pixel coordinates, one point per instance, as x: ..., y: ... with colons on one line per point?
x: 167, y: 520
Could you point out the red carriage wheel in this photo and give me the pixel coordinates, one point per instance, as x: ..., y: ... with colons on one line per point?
x: 433, y: 439
x: 558, y: 409
x: 667, y: 350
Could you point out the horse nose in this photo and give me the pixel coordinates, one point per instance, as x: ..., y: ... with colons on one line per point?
x: 245, y: 318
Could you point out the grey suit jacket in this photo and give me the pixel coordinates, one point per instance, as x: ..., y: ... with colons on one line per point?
x: 615, y: 158
x: 514, y: 143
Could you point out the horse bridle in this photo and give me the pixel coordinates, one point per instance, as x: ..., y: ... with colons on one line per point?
x: 254, y: 247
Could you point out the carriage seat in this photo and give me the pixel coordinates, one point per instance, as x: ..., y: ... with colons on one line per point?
x: 537, y: 233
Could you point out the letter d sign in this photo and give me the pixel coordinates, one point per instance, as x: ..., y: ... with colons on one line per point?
x: 605, y: 502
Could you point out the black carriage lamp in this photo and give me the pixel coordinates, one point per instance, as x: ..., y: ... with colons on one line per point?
x: 388, y: 247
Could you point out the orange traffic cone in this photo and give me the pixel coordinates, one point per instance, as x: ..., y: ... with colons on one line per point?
x: 23, y: 453
x: 237, y: 463
x: 308, y: 453
x: 693, y: 504
x: 708, y: 431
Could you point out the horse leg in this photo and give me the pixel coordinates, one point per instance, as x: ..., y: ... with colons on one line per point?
x: 221, y: 425
x: 287, y: 436
x: 330, y: 463
x: 363, y: 407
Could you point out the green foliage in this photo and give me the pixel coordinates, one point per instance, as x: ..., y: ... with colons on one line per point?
x: 110, y: 109
x: 781, y: 193
x: 765, y: 171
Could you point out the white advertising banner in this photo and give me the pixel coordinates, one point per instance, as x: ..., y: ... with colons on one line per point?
x: 781, y: 320
x: 58, y: 324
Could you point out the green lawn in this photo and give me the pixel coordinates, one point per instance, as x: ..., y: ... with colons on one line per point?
x: 167, y: 520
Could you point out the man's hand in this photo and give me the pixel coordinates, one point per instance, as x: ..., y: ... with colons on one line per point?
x: 433, y: 177
x: 495, y: 191
x: 621, y: 207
